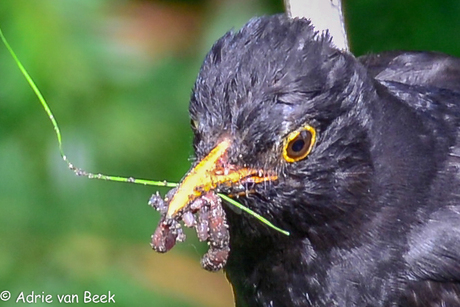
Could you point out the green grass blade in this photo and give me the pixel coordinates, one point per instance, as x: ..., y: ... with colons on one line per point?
x: 80, y: 172
x: 36, y: 91
x: 254, y: 214
x: 76, y: 170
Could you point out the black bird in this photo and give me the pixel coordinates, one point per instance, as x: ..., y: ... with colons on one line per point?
x: 358, y: 158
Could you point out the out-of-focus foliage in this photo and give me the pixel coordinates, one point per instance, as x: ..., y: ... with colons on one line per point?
x: 428, y: 25
x: 117, y: 75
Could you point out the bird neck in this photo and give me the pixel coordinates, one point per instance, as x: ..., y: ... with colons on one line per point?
x: 266, y: 270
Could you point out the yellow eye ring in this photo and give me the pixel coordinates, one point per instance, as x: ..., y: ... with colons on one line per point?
x: 299, y: 144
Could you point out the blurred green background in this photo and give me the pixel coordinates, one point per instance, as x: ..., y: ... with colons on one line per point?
x: 118, y: 75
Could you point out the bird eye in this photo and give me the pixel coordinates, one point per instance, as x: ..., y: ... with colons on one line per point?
x: 299, y: 143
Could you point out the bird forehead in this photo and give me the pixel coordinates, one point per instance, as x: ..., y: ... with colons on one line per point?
x: 256, y: 85
x: 269, y: 53
x: 271, y: 60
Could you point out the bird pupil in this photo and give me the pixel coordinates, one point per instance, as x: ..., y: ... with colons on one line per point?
x: 298, y: 145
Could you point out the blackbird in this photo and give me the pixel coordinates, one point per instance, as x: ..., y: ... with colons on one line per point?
x: 358, y: 158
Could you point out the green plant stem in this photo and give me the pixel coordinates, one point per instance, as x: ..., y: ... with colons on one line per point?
x: 80, y: 172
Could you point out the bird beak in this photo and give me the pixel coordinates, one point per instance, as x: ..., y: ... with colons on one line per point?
x: 210, y: 173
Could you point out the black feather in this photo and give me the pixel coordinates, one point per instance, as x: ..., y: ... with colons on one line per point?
x: 374, y: 210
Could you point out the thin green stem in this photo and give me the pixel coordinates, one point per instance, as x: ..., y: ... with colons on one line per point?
x: 76, y: 170
x: 254, y: 214
x: 80, y: 172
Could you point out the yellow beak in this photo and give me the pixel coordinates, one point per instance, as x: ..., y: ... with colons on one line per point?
x: 208, y: 174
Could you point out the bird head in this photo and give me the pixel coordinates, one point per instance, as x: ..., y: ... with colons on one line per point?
x: 279, y: 123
